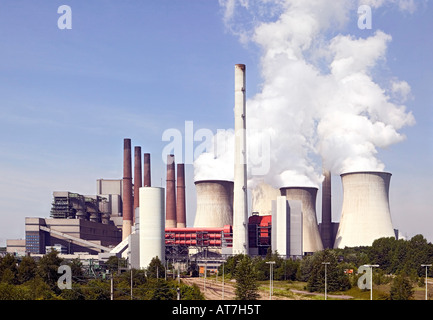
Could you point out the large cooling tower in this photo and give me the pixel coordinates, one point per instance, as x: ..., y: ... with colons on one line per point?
x: 214, y: 204
x: 312, y: 241
x: 152, y: 225
x: 365, y: 214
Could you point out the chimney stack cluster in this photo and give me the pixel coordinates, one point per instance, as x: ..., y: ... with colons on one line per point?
x: 131, y: 186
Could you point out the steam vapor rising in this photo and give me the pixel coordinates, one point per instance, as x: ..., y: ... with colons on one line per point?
x: 318, y: 98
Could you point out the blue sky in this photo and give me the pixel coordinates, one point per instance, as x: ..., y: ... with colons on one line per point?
x: 132, y: 69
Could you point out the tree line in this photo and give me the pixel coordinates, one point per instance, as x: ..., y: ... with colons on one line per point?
x: 400, y: 263
x: 28, y: 279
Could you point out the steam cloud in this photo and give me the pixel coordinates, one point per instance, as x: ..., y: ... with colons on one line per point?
x: 318, y: 100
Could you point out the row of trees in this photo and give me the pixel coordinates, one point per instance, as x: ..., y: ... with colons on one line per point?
x: 399, y: 263
x: 28, y: 279
x: 399, y: 260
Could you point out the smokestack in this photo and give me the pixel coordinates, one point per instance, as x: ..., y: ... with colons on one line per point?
x: 214, y: 203
x: 240, y: 205
x: 170, y: 213
x: 180, y: 196
x: 365, y: 214
x: 127, y: 189
x: 146, y: 170
x: 311, y: 240
x: 326, y: 226
x: 137, y: 179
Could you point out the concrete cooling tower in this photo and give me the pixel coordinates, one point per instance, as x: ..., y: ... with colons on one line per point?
x: 214, y: 204
x: 365, y: 214
x: 311, y: 239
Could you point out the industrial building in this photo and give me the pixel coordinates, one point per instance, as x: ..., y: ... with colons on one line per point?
x: 130, y: 218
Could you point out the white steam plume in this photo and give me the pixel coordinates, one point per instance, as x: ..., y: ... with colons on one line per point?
x: 318, y: 98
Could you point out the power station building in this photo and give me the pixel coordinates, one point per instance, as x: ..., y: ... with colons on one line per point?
x: 129, y: 217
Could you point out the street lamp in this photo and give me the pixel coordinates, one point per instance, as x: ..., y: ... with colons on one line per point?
x: 426, y: 267
x: 271, y: 280
x: 371, y: 266
x: 223, y: 280
x: 326, y: 284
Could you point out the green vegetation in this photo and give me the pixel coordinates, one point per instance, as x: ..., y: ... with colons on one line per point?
x: 37, y: 280
x: 400, y: 275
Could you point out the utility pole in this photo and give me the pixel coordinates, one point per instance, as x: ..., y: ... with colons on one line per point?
x: 326, y: 281
x: 426, y: 267
x: 112, y: 287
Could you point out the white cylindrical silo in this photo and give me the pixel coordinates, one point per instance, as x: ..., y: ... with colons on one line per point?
x: 365, y: 213
x: 311, y: 240
x: 152, y: 225
x: 214, y: 203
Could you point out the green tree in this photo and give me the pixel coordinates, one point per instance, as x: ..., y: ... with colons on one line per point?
x: 401, y: 288
x: 8, y: 269
x: 155, y: 269
x: 335, y: 277
x: 27, y: 269
x: 38, y: 289
x: 246, y: 280
x: 47, y: 268
x: 190, y: 292
x: 97, y: 289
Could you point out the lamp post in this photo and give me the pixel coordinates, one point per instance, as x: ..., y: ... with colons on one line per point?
x: 426, y: 267
x: 271, y: 280
x: 326, y: 284
x: 223, y: 280
x: 371, y: 266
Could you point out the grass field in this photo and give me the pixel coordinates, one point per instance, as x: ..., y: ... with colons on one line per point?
x: 297, y: 290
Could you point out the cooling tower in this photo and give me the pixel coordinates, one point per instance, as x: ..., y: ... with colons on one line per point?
x: 127, y: 189
x: 262, y: 196
x: 311, y: 239
x: 365, y: 214
x: 170, y: 202
x: 180, y: 196
x: 152, y: 225
x: 240, y: 204
x: 214, y: 204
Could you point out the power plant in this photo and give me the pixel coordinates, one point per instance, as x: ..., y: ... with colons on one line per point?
x: 130, y: 218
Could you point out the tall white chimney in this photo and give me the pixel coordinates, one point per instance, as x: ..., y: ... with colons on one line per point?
x: 240, y: 209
